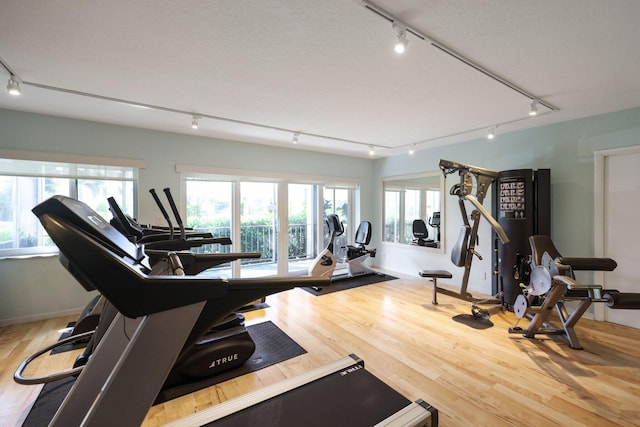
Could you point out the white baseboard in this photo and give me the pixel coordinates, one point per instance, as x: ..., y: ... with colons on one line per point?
x: 42, y: 316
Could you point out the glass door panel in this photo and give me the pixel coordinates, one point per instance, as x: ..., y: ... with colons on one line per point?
x: 301, y: 214
x: 210, y: 209
x: 258, y: 219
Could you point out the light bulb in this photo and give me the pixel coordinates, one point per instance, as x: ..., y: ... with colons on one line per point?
x: 13, y: 87
x: 401, y: 33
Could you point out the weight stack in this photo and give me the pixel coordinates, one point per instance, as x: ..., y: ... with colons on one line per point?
x: 522, y: 206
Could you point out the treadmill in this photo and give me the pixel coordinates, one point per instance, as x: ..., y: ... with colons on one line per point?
x: 161, y: 316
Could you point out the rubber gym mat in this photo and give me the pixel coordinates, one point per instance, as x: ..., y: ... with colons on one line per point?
x: 354, y: 282
x: 272, y: 346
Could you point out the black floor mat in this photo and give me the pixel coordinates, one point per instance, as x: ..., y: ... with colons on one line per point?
x: 272, y: 346
x: 350, y: 283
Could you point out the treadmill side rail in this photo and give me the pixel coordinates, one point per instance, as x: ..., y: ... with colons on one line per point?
x: 239, y: 403
x: 414, y: 414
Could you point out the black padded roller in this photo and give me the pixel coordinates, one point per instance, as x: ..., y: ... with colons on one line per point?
x: 622, y: 300
x: 589, y: 264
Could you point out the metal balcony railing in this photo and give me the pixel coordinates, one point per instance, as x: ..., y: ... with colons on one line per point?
x: 261, y: 238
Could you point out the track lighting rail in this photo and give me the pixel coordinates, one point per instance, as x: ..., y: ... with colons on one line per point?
x: 451, y: 52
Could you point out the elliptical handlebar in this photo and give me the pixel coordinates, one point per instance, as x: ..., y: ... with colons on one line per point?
x: 176, y: 213
x: 163, y: 210
x: 123, y: 221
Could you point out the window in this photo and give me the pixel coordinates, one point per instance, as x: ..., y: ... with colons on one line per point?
x: 25, y: 183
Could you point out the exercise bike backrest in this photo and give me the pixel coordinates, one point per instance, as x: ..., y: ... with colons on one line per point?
x: 363, y: 234
x: 420, y: 230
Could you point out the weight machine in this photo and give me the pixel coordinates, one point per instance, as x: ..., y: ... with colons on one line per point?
x: 478, y: 179
x: 552, y: 283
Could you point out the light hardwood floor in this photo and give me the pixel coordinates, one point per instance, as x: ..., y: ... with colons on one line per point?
x: 473, y: 377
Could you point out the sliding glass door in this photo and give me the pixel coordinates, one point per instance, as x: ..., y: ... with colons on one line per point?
x: 281, y: 221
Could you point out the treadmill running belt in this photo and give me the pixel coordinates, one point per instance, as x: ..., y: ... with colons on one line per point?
x: 351, y: 397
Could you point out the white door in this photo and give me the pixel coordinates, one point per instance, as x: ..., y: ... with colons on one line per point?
x: 621, y: 226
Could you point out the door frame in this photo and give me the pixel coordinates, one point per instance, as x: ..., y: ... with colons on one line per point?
x: 600, y: 158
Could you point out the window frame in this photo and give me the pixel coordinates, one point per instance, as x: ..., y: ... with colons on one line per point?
x: 73, y: 168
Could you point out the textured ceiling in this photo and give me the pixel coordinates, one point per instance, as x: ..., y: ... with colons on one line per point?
x: 326, y: 69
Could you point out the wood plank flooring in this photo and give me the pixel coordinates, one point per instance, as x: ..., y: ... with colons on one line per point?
x: 473, y: 377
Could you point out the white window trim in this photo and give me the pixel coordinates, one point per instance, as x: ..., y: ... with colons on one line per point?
x: 68, y: 159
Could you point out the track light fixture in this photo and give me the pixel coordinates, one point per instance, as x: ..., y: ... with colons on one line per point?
x: 194, y: 122
x: 13, y: 87
x: 296, y: 137
x: 372, y: 150
x: 534, y: 108
x: 491, y: 133
x: 412, y: 149
x: 401, y: 33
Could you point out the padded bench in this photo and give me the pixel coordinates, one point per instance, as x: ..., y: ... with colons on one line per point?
x: 434, y: 275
